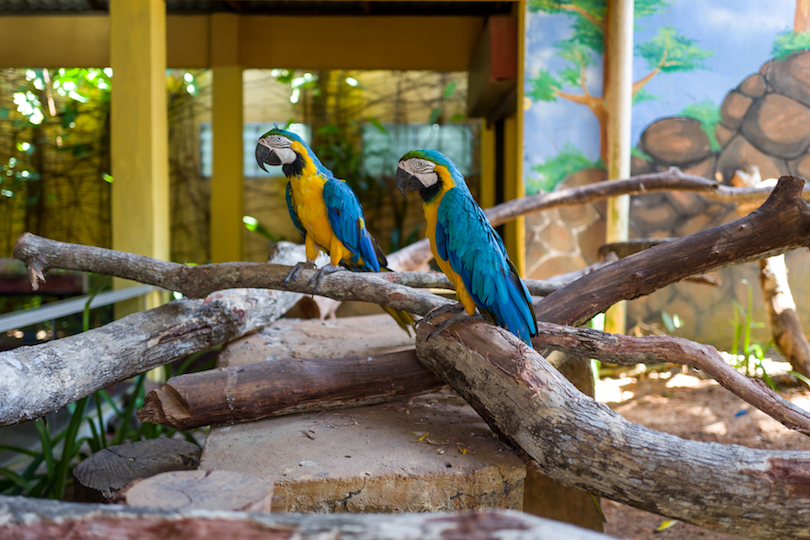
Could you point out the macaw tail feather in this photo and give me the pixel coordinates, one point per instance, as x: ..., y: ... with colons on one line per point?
x: 404, y: 319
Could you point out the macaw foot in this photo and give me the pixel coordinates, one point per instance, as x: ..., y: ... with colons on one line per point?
x: 458, y: 307
x: 325, y: 271
x: 458, y: 317
x: 308, y: 265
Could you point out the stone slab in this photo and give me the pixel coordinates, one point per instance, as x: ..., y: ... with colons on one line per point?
x: 313, y: 338
x: 433, y: 453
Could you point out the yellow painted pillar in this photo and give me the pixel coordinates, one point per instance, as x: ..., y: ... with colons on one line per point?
x: 619, y: 97
x: 227, y: 193
x: 486, y: 189
x: 139, y: 135
x: 515, y: 231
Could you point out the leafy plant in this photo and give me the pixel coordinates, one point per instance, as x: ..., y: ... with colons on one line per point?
x: 51, y: 480
x: 708, y: 114
x: 789, y: 42
x: 748, y: 355
x: 556, y: 169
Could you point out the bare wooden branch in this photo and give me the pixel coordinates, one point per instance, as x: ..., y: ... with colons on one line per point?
x: 581, y: 443
x: 23, y: 518
x: 285, y: 386
x: 781, y: 224
x: 787, y: 329
x: 672, y: 179
x: 628, y: 350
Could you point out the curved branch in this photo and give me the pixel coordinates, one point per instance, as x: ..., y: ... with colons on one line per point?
x: 781, y: 224
x: 581, y: 11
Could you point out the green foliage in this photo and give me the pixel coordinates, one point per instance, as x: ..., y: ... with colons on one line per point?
x: 670, y: 52
x: 642, y: 95
x: 556, y: 169
x: 789, y: 42
x: 544, y: 87
x: 252, y: 224
x: 748, y: 355
x: 119, y: 428
x: 708, y: 114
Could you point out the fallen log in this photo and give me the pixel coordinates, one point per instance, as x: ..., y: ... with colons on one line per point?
x: 285, y: 386
x: 581, y: 443
x: 22, y: 518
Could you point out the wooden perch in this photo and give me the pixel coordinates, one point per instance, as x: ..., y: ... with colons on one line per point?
x: 582, y: 443
x: 670, y: 180
x: 292, y: 385
x: 23, y: 518
x: 285, y: 386
x: 40, y: 254
x: 628, y: 350
x: 781, y: 224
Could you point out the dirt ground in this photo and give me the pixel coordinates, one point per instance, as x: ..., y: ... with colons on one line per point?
x: 684, y: 404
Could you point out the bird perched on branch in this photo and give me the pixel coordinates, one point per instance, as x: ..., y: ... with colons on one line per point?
x: 466, y: 247
x: 326, y: 212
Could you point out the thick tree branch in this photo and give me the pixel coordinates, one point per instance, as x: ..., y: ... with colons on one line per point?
x: 670, y: 180
x: 40, y: 254
x: 628, y: 350
x: 584, y: 444
x: 285, y: 386
x: 24, y: 518
x: 781, y: 224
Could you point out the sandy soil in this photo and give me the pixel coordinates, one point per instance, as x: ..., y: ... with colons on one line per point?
x: 683, y: 404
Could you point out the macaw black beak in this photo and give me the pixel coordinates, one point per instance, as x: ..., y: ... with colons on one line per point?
x: 266, y: 155
x: 406, y: 180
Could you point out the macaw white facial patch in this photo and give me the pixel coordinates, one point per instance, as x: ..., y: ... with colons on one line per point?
x: 421, y: 169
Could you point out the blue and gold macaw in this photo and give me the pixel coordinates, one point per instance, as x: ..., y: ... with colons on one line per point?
x: 466, y: 247
x: 325, y: 210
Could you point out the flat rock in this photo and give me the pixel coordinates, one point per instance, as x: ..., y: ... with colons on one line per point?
x: 99, y: 477
x: 676, y: 141
x: 791, y: 76
x: 778, y: 125
x: 216, y: 490
x: 433, y: 453
x: 313, y: 338
x: 733, y: 109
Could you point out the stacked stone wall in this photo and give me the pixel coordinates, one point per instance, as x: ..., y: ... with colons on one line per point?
x: 765, y: 122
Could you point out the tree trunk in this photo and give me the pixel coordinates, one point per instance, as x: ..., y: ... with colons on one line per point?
x: 24, y: 519
x: 785, y: 324
x: 581, y: 443
x: 285, y: 386
x: 801, y: 19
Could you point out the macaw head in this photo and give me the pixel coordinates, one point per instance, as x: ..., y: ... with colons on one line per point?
x: 275, y: 148
x: 419, y: 170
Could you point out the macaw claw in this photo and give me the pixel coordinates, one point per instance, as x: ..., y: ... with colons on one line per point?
x: 325, y: 271
x: 308, y: 265
x: 458, y: 317
x: 458, y: 307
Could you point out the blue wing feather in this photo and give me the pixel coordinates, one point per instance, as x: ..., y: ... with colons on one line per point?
x: 293, y: 213
x: 465, y: 238
x: 348, y: 224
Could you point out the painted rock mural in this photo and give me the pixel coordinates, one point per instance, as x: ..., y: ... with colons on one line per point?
x: 765, y: 121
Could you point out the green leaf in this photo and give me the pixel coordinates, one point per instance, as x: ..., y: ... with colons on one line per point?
x: 449, y: 89
x: 544, y: 87
x: 376, y: 123
x: 789, y: 42
x: 670, y: 52
x: 708, y: 114
x: 47, y: 449
x: 434, y: 115
x: 16, y: 478
x: 556, y: 169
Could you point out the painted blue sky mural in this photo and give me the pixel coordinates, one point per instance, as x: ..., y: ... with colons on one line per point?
x: 739, y: 34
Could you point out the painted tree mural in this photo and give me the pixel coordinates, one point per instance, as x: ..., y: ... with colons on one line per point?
x: 668, y: 51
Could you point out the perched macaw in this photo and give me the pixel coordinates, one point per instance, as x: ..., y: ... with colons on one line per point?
x: 466, y: 247
x: 325, y: 210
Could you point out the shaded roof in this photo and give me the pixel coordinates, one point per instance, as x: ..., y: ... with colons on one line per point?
x: 272, y: 7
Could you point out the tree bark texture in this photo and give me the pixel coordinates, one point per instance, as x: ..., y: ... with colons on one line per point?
x: 785, y: 324
x: 285, y: 386
x: 584, y: 444
x: 781, y: 224
x: 418, y: 253
x: 29, y: 519
x: 40, y: 379
x: 292, y: 385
